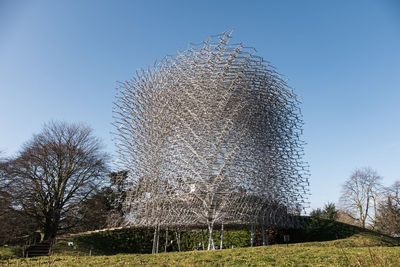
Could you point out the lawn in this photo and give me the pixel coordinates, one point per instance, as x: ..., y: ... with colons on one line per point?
x: 358, y: 250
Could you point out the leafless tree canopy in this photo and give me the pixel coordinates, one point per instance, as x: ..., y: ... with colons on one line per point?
x: 210, y: 136
x: 13, y: 222
x: 55, y: 171
x: 360, y: 196
x: 389, y: 211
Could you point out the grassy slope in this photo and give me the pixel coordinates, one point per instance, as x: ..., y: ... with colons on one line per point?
x: 136, y: 241
x: 365, y: 248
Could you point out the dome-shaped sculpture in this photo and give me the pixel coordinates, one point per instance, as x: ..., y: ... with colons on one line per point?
x: 210, y: 136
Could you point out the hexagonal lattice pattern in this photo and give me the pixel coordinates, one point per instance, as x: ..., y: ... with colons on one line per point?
x: 210, y: 136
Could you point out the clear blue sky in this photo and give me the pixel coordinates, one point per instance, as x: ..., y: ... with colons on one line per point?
x: 60, y: 60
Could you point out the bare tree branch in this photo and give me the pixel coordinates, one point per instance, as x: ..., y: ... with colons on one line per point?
x: 359, y: 192
x: 55, y: 171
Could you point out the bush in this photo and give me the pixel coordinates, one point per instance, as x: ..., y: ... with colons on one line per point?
x: 10, y: 252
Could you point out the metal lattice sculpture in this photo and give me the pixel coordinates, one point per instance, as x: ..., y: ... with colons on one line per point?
x: 210, y: 136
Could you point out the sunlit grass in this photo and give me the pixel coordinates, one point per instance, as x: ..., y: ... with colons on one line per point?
x: 358, y: 250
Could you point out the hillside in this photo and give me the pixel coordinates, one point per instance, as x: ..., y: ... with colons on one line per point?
x: 358, y: 250
x: 320, y: 242
x: 134, y: 240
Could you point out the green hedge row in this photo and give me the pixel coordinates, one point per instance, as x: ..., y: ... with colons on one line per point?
x: 136, y: 240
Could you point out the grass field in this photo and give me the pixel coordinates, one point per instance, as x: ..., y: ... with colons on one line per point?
x: 358, y: 250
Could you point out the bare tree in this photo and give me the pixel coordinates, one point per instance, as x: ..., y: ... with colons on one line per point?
x: 94, y: 212
x: 4, y: 181
x: 388, y: 220
x: 14, y: 222
x: 55, y: 172
x: 360, y: 196
x: 346, y: 217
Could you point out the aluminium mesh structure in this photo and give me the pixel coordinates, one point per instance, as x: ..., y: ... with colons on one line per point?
x: 210, y: 136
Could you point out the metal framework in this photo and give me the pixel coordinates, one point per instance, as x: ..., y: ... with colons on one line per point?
x: 210, y: 136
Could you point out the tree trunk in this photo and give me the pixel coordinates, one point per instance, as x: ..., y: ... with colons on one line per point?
x: 361, y: 211
x: 375, y: 212
x: 50, y: 227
